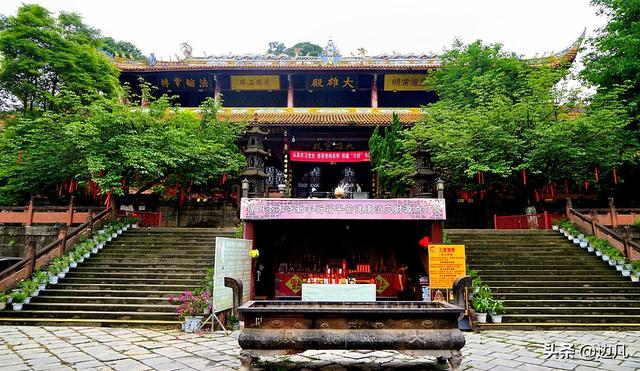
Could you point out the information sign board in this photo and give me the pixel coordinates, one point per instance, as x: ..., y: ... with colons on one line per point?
x: 232, y: 260
x: 446, y: 263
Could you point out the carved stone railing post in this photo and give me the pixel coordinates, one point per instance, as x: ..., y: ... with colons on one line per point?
x: 626, y: 236
x: 594, y: 220
x: 31, y: 255
x: 613, y: 213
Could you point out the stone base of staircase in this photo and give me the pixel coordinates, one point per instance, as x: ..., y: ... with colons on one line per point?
x: 547, y: 282
x: 128, y: 282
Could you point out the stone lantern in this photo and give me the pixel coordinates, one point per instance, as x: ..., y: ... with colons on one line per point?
x: 256, y: 155
x: 424, y: 175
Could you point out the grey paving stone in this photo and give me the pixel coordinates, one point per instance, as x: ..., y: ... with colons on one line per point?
x: 559, y: 364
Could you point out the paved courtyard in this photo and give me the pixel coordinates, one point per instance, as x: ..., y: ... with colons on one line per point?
x: 59, y: 348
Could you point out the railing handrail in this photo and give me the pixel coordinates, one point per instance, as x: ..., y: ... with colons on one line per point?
x: 604, y: 229
x: 51, y: 246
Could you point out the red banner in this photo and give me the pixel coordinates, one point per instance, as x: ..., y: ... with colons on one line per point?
x: 323, y: 156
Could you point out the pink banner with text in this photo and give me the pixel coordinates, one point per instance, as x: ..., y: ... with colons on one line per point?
x: 304, y: 208
x: 323, y: 156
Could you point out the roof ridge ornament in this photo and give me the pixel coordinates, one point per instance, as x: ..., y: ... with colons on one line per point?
x: 330, y: 53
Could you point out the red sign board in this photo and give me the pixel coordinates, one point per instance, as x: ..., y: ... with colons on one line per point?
x: 323, y: 156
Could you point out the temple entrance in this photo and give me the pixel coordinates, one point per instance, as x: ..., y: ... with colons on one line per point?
x: 313, y: 179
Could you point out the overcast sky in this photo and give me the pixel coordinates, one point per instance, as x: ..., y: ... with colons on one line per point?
x: 231, y: 26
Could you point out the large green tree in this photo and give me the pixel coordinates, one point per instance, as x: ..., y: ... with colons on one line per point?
x: 43, y: 57
x: 117, y: 146
x: 499, y: 115
x: 614, y: 59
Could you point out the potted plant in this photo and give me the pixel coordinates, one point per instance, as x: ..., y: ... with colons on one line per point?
x: 19, y: 298
x: 482, y: 302
x: 41, y: 278
x: 234, y: 322
x: 54, y: 269
x: 73, y: 262
x: 3, y: 301
x: 135, y: 222
x: 496, y: 311
x: 100, y: 239
x: 191, y: 307
x: 29, y: 287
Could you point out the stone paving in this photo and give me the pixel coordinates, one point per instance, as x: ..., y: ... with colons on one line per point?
x: 95, y: 348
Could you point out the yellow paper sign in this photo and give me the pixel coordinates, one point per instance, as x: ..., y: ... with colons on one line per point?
x: 404, y: 82
x: 446, y: 263
x: 255, y: 82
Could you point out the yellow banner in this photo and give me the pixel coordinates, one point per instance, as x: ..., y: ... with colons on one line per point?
x: 404, y: 82
x: 255, y: 82
x: 446, y: 263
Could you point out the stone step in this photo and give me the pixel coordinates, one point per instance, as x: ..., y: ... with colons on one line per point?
x: 86, y: 314
x: 626, y: 303
x: 563, y: 289
x: 569, y: 270
x: 568, y: 319
x: 97, y: 307
x: 576, y: 311
x: 137, y: 300
x: 106, y: 274
x: 122, y: 286
x: 97, y: 322
x: 157, y: 254
x: 151, y: 260
x: 106, y: 264
x: 574, y: 296
x: 52, y: 292
x: 553, y: 277
x: 555, y: 283
x: 138, y: 281
x: 123, y: 269
x: 151, y: 248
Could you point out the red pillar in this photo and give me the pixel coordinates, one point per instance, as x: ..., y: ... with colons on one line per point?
x: 436, y: 232
x: 289, y: 92
x: 374, y: 91
x: 248, y: 233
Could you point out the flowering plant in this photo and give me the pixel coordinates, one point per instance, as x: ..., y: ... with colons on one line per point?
x: 339, y: 191
x: 191, y: 303
x: 254, y: 253
x: 424, y: 242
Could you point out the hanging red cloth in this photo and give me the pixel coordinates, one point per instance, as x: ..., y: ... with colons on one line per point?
x: 615, y: 177
x: 586, y: 185
x: 107, y: 203
x: 536, y: 195
x: 524, y: 176
x: 596, y: 173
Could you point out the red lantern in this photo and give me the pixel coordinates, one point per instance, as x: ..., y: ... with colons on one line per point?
x: 424, y: 242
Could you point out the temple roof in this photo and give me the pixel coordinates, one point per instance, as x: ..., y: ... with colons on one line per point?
x: 322, y: 117
x: 331, y: 60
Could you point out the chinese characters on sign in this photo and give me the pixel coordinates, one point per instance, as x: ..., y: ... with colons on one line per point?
x: 404, y: 82
x: 255, y: 82
x: 332, y: 82
x: 588, y: 352
x: 232, y: 259
x: 354, y: 209
x: 446, y: 263
x: 181, y: 83
x: 321, y: 156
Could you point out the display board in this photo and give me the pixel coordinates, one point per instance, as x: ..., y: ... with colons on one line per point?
x: 232, y: 260
x: 446, y: 263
